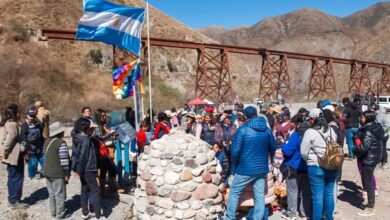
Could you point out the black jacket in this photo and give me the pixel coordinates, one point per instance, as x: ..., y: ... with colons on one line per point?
x: 370, y: 151
x: 32, y: 137
x: 84, y: 154
x: 351, y: 113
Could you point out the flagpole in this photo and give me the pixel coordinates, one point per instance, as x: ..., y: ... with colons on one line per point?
x: 149, y: 68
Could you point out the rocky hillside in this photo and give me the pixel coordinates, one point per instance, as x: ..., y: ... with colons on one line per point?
x: 84, y: 80
x: 362, y: 35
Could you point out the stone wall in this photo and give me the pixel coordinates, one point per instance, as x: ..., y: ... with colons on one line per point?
x: 178, y: 178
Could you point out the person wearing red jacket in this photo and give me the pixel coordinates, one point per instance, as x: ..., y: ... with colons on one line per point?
x: 162, y: 126
x: 142, y: 139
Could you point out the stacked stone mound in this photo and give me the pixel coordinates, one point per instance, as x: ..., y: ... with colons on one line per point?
x: 178, y: 178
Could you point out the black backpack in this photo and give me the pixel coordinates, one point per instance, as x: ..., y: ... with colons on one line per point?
x: 34, y: 135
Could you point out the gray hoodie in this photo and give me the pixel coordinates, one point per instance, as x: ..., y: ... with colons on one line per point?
x: 313, y: 140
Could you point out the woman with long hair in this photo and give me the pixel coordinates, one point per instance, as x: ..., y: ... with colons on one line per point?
x: 105, y: 137
x: 369, y: 154
x: 12, y: 154
x: 321, y: 180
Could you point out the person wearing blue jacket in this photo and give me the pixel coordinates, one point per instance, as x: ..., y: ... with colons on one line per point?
x: 297, y: 179
x: 252, y: 144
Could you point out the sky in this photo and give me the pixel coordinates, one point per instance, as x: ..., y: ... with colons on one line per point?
x: 233, y: 13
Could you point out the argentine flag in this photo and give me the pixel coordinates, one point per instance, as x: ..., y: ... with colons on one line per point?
x: 112, y: 24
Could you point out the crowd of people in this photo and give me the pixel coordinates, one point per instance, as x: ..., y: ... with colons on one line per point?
x: 254, y: 145
x: 246, y: 140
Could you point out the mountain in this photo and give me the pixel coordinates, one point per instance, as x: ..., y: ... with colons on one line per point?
x: 362, y: 35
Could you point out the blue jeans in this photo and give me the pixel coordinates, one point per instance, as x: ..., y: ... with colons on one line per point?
x: 350, y: 132
x: 33, y: 163
x: 322, y: 192
x: 15, y: 181
x: 238, y: 186
x: 250, y: 215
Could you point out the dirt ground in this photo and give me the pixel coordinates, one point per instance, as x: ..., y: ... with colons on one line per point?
x: 349, y: 202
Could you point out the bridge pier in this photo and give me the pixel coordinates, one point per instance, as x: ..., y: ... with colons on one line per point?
x: 275, y: 77
x: 213, y: 79
x: 322, y: 82
x: 384, y: 83
x: 359, y: 80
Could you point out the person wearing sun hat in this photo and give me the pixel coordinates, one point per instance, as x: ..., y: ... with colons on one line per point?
x: 56, y: 169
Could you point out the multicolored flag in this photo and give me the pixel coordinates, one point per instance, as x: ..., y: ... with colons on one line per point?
x: 124, y: 78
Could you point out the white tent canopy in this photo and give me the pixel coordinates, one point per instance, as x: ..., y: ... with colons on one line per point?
x: 208, y: 102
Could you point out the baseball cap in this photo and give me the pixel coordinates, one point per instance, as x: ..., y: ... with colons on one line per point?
x: 315, y: 113
x: 31, y: 111
x: 264, y: 107
x: 326, y: 102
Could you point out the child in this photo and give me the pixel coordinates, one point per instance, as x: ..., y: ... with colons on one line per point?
x: 162, y: 127
x: 223, y: 161
x: 142, y: 138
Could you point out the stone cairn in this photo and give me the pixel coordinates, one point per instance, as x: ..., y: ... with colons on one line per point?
x: 178, y: 178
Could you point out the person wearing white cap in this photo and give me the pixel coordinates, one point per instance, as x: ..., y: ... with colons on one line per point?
x: 322, y: 181
x: 56, y: 169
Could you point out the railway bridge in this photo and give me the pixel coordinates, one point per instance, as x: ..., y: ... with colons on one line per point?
x: 213, y: 76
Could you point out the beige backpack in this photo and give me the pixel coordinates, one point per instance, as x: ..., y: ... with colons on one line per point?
x: 333, y: 157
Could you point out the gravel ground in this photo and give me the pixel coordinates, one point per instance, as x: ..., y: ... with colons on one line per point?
x: 35, y: 194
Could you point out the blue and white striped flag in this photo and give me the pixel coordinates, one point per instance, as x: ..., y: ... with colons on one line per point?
x: 112, y: 24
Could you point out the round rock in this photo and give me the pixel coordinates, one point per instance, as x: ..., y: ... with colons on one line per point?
x: 172, y: 178
x: 150, y: 210
x: 146, y: 176
x: 165, y: 204
x: 206, y: 176
x: 205, y: 191
x: 178, y: 196
x: 197, y: 171
x: 187, y: 186
x: 191, y: 163
x: 167, y: 156
x: 159, y: 181
x: 177, y: 161
x: 164, y: 191
x: 186, y: 175
x: 157, y: 171
x: 201, y: 159
x: 150, y: 188
x: 183, y: 205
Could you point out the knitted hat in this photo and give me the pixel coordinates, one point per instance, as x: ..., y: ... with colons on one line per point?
x: 250, y: 112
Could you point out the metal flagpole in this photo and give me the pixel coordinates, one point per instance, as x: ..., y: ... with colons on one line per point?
x: 149, y: 69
